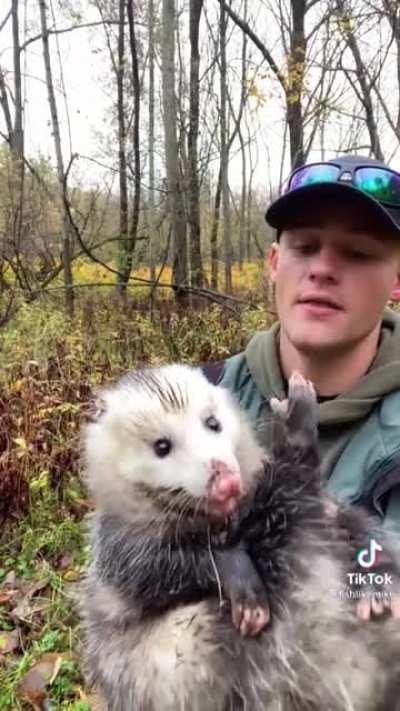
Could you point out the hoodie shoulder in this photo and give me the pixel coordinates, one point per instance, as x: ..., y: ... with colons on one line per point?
x: 234, y: 374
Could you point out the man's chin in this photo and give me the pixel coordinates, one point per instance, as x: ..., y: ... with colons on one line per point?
x: 318, y: 342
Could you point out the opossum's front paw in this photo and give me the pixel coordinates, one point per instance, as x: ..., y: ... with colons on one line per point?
x: 279, y: 407
x: 250, y: 612
x: 374, y: 606
x: 302, y: 398
x: 300, y: 408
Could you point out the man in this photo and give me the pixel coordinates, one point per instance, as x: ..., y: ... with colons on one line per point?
x: 335, y: 265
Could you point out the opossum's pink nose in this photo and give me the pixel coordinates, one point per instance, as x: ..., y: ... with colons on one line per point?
x: 227, y: 482
x: 225, y: 488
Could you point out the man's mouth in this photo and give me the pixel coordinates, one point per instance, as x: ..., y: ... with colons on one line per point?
x: 320, y: 302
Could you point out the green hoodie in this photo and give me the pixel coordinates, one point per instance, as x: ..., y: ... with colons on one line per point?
x: 255, y: 376
x: 340, y: 417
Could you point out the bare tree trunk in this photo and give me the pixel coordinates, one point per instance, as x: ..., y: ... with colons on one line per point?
x: 295, y: 82
x: 292, y: 84
x: 66, y: 228
x: 17, y: 136
x: 214, y: 233
x: 242, y: 213
x: 363, y: 91
x: 226, y: 228
x: 176, y: 206
x: 242, y: 218
x: 5, y: 105
x: 151, y: 141
x: 128, y: 245
x: 196, y: 265
x: 123, y: 181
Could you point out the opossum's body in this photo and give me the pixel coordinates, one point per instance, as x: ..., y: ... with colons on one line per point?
x: 156, y: 636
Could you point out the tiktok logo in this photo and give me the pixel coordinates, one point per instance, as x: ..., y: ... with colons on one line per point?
x: 366, y: 557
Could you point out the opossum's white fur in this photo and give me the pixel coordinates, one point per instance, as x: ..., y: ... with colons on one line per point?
x: 119, y: 449
x: 317, y: 657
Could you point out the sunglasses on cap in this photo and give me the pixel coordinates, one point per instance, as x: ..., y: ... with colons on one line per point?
x: 383, y: 184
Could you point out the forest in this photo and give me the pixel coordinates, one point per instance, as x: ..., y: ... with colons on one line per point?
x: 140, y: 146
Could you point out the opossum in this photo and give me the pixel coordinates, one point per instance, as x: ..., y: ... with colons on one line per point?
x: 219, y: 573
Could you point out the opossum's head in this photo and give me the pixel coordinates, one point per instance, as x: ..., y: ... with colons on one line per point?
x: 170, y: 432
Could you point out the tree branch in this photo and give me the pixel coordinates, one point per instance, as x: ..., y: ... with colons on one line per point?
x: 85, y: 25
x: 249, y: 32
x: 7, y: 17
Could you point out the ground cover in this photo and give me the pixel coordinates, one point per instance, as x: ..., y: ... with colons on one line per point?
x: 51, y: 367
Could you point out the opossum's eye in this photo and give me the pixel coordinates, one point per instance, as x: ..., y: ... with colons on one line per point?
x: 162, y: 446
x: 213, y: 424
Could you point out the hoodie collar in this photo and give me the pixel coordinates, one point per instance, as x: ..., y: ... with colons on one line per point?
x: 382, y: 377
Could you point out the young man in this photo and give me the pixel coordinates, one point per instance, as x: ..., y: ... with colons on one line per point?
x: 335, y: 265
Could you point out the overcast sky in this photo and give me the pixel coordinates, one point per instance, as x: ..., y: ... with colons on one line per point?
x: 86, y: 75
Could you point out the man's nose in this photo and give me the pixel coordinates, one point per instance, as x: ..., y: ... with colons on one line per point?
x: 326, y: 263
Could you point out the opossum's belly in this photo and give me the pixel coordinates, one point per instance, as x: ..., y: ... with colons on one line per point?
x: 316, y: 657
x: 319, y: 655
x: 174, y: 663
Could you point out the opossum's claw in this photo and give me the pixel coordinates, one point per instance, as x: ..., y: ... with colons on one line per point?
x: 300, y: 388
x: 373, y: 606
x: 279, y: 407
x: 249, y: 617
x: 395, y: 606
x: 363, y: 609
x: 302, y: 399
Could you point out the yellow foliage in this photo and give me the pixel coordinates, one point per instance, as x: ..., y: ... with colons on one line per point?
x: 85, y: 272
x: 345, y: 24
x: 255, y: 92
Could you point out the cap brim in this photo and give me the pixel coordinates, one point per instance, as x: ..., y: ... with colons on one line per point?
x: 280, y: 213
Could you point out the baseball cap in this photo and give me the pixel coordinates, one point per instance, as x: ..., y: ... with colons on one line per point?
x: 356, y: 180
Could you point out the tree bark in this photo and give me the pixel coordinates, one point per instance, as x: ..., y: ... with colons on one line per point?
x: 123, y: 180
x: 175, y: 199
x: 242, y: 218
x: 17, y: 136
x: 295, y: 82
x: 196, y: 265
x: 5, y: 105
x: 151, y: 221
x: 214, y: 233
x: 364, y: 90
x: 226, y: 224
x: 128, y: 245
x: 292, y: 84
x: 66, y: 226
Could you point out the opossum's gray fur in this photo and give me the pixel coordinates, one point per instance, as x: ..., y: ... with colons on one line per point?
x: 315, y: 655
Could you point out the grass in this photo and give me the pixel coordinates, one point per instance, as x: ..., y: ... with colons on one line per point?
x: 45, y: 549
x: 51, y: 367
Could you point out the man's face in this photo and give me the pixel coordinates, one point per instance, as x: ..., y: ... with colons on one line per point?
x: 333, y: 280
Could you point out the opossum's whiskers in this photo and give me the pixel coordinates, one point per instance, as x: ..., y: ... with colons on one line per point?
x: 184, y: 509
x: 173, y: 505
x: 199, y: 507
x: 221, y: 601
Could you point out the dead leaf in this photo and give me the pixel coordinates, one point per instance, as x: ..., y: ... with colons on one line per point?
x: 33, y: 588
x: 9, y: 641
x: 65, y: 561
x: 41, y: 675
x: 72, y: 575
x: 56, y: 669
x: 11, y: 579
x: 26, y: 609
x: 7, y: 595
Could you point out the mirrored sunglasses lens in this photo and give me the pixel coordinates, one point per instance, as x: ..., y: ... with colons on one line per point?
x: 309, y: 175
x: 379, y: 183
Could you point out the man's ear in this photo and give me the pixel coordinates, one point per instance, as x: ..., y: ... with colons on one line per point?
x: 395, y: 295
x: 272, y: 260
